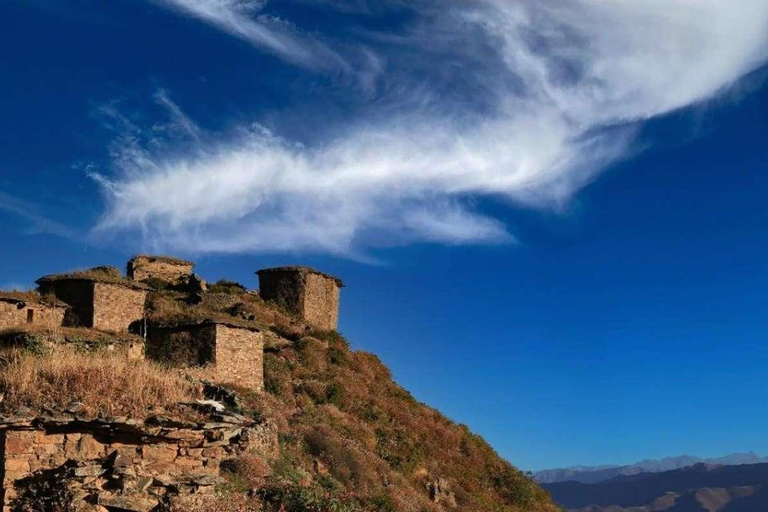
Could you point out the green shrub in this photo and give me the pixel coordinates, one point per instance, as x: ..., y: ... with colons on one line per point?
x: 305, y: 499
x: 228, y: 287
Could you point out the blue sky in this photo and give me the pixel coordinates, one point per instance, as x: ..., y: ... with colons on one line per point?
x: 550, y: 215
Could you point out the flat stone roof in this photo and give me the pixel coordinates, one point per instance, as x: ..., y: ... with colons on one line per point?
x: 181, y: 324
x: 93, y: 277
x: 290, y: 269
x: 164, y: 259
x: 31, y: 298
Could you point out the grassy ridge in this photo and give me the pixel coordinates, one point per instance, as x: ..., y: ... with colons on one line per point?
x: 351, y: 439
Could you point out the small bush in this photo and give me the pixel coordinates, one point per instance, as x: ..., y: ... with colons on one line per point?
x: 305, y: 499
x: 246, y: 472
x: 228, y: 287
x: 157, y: 284
x: 45, y: 494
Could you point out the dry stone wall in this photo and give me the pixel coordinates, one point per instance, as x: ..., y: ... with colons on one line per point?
x: 116, y: 308
x: 309, y: 294
x: 321, y: 302
x: 14, y: 314
x: 141, y: 268
x: 236, y: 354
x: 240, y: 356
x: 123, y: 464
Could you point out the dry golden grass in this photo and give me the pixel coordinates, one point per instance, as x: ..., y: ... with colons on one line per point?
x: 341, y: 408
x: 170, y: 308
x: 104, y: 383
x: 229, y: 503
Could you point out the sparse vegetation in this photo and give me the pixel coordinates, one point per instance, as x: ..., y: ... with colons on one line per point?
x: 352, y: 440
x: 98, y: 274
x: 102, y: 382
x: 40, y: 340
x: 228, y: 287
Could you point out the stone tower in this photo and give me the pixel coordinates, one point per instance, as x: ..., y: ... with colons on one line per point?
x: 306, y: 292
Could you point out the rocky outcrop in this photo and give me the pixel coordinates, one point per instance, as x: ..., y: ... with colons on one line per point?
x: 440, y: 493
x: 119, y: 464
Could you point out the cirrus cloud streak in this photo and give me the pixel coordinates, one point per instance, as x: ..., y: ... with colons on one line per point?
x: 556, y: 98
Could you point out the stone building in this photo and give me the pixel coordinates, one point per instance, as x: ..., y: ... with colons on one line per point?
x: 98, y: 300
x: 234, y: 351
x: 164, y: 268
x: 18, y: 309
x: 120, y: 464
x: 305, y: 292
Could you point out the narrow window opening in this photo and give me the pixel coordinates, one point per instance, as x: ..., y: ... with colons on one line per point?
x: 30, y: 316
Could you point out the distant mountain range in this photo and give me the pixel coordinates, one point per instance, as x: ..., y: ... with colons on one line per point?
x: 698, y: 488
x: 595, y: 474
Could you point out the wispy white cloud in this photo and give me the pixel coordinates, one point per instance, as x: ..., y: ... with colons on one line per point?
x: 545, y: 95
x: 242, y: 19
x: 36, y: 222
x: 179, y: 120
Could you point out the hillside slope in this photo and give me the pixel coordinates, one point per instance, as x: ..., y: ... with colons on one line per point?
x: 351, y: 439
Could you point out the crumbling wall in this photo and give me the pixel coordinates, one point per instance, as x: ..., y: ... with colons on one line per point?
x: 44, y: 315
x: 240, y: 356
x: 17, y: 313
x: 124, y: 464
x: 10, y: 315
x: 171, y: 270
x: 116, y: 308
x: 182, y: 346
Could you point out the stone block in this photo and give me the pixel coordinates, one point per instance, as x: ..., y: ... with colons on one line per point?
x: 159, y: 453
x: 19, y: 443
x: 17, y: 466
x: 90, y: 448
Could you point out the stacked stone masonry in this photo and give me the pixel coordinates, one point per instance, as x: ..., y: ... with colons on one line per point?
x: 239, y: 356
x: 305, y: 292
x: 117, y: 308
x: 170, y: 270
x: 98, y: 305
x: 125, y: 465
x: 235, y: 353
x: 15, y: 313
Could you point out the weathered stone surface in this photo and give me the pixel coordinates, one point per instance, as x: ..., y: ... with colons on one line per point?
x: 312, y: 295
x: 127, y: 503
x: 170, y: 270
x: 108, y: 306
x: 236, y: 353
x: 141, y: 463
x: 14, y: 313
x: 440, y: 492
x: 92, y: 470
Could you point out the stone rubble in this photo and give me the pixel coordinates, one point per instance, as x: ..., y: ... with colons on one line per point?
x: 122, y: 464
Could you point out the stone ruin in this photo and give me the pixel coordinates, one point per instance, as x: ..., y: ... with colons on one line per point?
x: 177, y: 274
x: 119, y: 464
x: 164, y: 268
x: 234, y: 351
x: 103, y: 300
x: 122, y: 464
x: 97, y: 300
x: 305, y: 292
x: 27, y: 309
